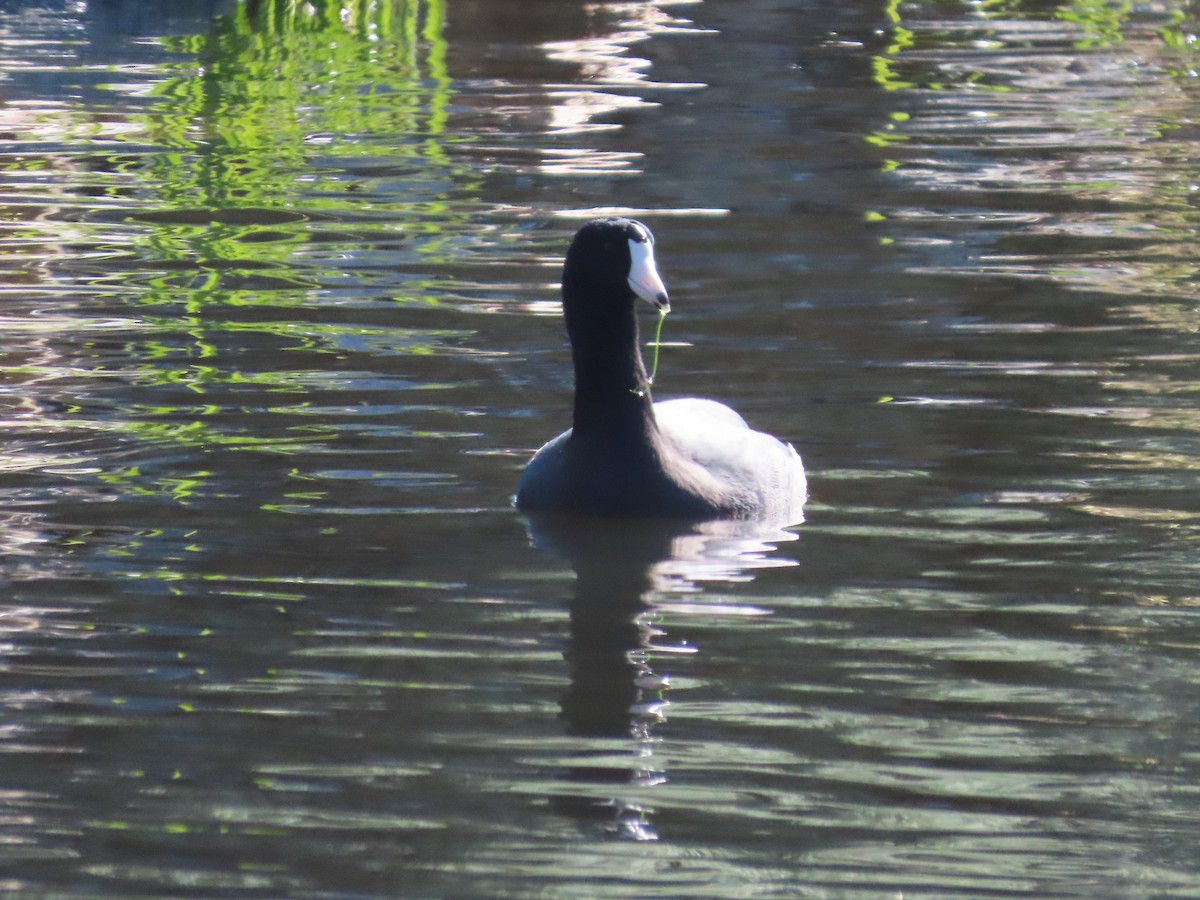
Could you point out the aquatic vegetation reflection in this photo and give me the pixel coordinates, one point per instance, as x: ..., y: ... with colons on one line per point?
x: 1045, y: 157
x: 292, y: 145
x: 1099, y: 90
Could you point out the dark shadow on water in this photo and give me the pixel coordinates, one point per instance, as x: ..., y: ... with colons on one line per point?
x: 625, y: 570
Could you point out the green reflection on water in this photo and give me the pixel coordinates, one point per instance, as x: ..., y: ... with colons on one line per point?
x: 1101, y: 21
x: 1150, y: 116
x: 287, y: 97
x: 286, y: 139
x: 284, y: 79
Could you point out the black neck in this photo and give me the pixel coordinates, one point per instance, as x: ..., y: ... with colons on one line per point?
x: 612, y: 392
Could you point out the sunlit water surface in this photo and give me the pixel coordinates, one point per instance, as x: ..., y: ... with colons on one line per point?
x: 279, y: 327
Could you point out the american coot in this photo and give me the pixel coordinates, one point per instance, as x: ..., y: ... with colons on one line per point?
x: 626, y: 455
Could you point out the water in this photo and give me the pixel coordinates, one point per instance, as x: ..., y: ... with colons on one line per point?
x: 279, y: 328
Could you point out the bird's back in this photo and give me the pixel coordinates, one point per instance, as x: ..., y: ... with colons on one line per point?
x: 763, y: 476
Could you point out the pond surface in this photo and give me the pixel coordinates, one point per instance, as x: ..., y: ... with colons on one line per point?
x: 279, y: 327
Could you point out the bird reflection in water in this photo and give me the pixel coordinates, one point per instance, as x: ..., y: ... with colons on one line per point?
x: 628, y: 572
